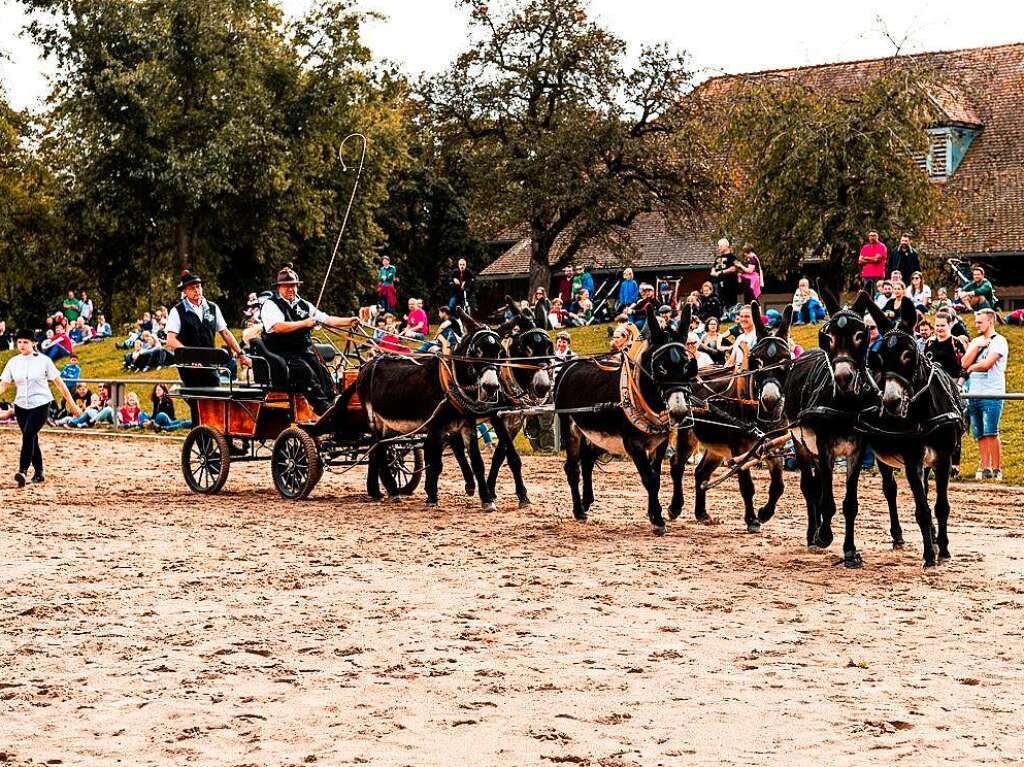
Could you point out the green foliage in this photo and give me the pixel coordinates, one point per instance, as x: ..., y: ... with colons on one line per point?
x: 558, y: 135
x: 206, y: 135
x: 816, y: 168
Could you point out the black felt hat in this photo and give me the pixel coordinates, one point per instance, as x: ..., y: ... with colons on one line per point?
x: 188, y: 278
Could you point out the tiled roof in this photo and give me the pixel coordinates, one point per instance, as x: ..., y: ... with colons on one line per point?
x: 654, y: 245
x: 981, y: 87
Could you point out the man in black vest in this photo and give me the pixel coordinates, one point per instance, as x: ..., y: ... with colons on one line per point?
x: 288, y: 322
x: 194, y: 321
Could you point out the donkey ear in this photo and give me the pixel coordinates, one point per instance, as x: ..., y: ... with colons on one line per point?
x: 470, y: 324
x: 658, y: 335
x: 908, y: 315
x: 755, y: 313
x: 883, y: 323
x: 685, y: 318
x: 860, y: 304
x: 827, y: 297
x: 787, y: 319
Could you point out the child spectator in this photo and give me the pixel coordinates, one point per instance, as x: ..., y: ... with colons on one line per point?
x: 389, y: 341
x: 163, y: 412
x: 102, y: 329
x: 129, y: 414
x: 629, y: 291
x: 710, y: 305
x: 57, y: 345
x: 387, y: 277
x: 750, y: 273
x: 71, y: 371
x: 942, y: 302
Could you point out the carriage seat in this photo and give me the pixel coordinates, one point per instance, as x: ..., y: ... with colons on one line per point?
x: 200, y: 366
x: 268, y: 369
x: 242, y: 393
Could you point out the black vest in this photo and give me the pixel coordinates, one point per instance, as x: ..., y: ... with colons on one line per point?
x: 297, y: 340
x: 196, y: 330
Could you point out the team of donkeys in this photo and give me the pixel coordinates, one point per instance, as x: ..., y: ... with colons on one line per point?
x: 838, y: 400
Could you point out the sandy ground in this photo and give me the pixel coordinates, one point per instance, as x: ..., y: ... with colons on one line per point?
x: 144, y: 625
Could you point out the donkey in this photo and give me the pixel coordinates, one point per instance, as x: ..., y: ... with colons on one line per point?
x: 738, y: 407
x: 823, y: 397
x: 523, y: 383
x: 620, y: 407
x: 917, y: 426
x: 437, y: 396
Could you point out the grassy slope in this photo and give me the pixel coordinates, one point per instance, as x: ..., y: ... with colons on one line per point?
x: 595, y: 339
x: 102, y: 360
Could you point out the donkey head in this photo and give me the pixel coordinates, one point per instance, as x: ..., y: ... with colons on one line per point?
x: 894, y: 365
x: 844, y: 338
x: 669, y: 365
x: 479, y: 352
x: 769, y: 363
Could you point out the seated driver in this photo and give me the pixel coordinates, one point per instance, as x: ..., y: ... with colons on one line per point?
x: 288, y: 322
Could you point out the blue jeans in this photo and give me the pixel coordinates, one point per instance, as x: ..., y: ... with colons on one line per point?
x: 57, y: 352
x: 811, y: 312
x: 984, y: 415
x: 164, y: 421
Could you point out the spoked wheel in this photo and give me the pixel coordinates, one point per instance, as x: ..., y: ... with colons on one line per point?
x: 405, y: 464
x: 205, y: 460
x: 295, y: 464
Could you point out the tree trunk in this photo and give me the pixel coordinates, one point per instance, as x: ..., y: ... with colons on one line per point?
x: 181, y: 242
x: 540, y: 270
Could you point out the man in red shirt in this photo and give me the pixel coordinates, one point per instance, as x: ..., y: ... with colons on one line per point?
x: 872, y: 263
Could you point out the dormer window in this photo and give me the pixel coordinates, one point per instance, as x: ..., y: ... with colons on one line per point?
x: 947, y: 146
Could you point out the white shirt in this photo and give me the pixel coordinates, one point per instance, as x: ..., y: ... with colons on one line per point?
x: 271, y: 314
x: 737, y: 355
x: 32, y: 374
x: 993, y: 380
x: 703, y: 360
x: 173, y: 324
x: 87, y: 309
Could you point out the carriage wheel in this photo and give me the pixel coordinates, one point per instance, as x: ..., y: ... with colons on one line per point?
x: 405, y: 464
x: 295, y: 464
x: 205, y: 460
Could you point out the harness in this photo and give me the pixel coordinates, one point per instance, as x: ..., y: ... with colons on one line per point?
x: 640, y: 414
x: 454, y: 392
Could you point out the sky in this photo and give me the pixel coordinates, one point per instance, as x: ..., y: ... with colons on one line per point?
x: 721, y: 37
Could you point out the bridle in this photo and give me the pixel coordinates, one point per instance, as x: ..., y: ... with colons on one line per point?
x: 840, y: 320
x: 891, y: 338
x: 779, y: 358
x: 530, y: 344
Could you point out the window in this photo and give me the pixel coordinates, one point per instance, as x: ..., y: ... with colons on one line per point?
x: 947, y: 147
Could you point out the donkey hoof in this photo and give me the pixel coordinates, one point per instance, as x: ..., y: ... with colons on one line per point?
x: 945, y: 556
x: 524, y: 503
x: 704, y: 519
x: 657, y: 529
x: 929, y: 563
x: 376, y: 497
x: 823, y: 539
x: 673, y: 514
x: 431, y: 504
x: 393, y: 499
x: 753, y: 527
x: 489, y: 506
x: 764, y: 514
x: 470, y: 489
x: 581, y: 518
x: 898, y: 544
x: 852, y: 560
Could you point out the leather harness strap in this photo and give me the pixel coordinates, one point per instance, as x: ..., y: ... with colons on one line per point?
x: 634, y: 406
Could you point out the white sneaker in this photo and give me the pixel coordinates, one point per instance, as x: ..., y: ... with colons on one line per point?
x: 978, y: 475
x: 997, y: 475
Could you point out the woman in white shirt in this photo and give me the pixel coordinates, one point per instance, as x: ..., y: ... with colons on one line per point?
x: 31, y: 373
x: 919, y: 293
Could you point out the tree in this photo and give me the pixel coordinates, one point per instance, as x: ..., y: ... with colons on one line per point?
x: 817, y: 167
x: 206, y: 135
x: 559, y: 136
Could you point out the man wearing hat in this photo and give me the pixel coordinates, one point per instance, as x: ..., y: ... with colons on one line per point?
x: 194, y: 321
x: 288, y: 323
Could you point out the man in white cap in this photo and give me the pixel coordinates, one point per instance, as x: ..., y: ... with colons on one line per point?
x: 288, y: 323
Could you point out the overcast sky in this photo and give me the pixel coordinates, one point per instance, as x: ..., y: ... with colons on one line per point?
x: 736, y: 36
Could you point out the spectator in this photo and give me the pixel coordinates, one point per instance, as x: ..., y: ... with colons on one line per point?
x: 947, y: 351
x: 984, y: 363
x: 923, y: 333
x: 417, y: 324
x: 723, y: 275
x: 87, y: 308
x: 163, y: 412
x: 389, y: 340
x: 82, y: 398
x: 647, y: 298
x: 884, y: 294
x: 745, y: 340
x: 72, y: 307
x: 872, y: 259
x: 807, y: 306
x: 71, y: 371
x: 541, y: 308
x: 252, y: 309
x: 583, y: 310
x: 58, y: 345
x: 130, y: 414
x: 710, y: 305
x: 449, y: 331
x: 147, y: 355
x: 463, y: 285
x: 942, y: 302
x: 750, y: 273
x: 6, y: 338
x: 563, y: 346
x: 98, y: 410
x: 387, y: 276
x: 557, y: 317
x: 629, y: 291
x: 904, y: 259
x: 713, y: 343
x: 102, y: 329
x: 80, y: 333
x: 565, y: 286
x: 693, y: 347
x: 894, y: 306
x: 977, y: 294
x: 919, y: 293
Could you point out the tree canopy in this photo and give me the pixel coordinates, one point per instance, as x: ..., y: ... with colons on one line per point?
x: 561, y: 138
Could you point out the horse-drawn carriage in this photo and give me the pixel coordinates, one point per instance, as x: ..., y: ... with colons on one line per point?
x: 268, y: 418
